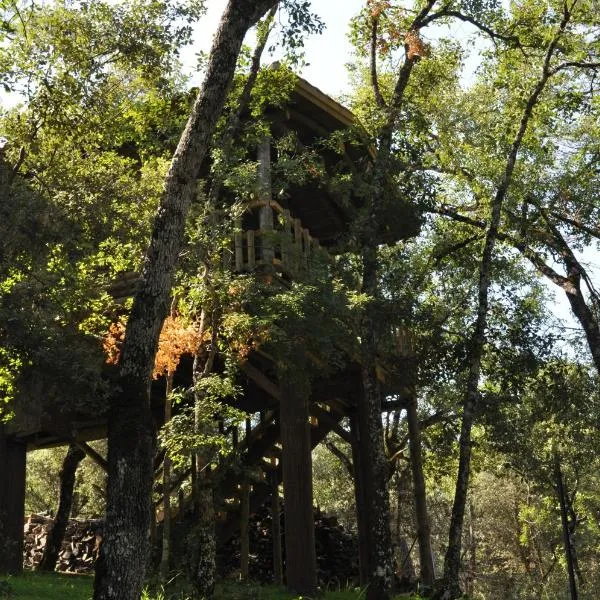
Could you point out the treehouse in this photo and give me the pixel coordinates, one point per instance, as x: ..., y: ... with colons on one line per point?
x: 278, y: 234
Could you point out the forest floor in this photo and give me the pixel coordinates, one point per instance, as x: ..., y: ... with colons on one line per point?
x: 34, y: 586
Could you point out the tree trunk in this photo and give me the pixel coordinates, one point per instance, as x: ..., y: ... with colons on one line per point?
x: 420, y: 494
x: 373, y: 460
x: 121, y: 568
x: 166, y: 530
x: 560, y: 490
x: 201, y: 541
x: 301, y: 560
x: 67, y: 482
x: 450, y: 588
x: 362, y: 516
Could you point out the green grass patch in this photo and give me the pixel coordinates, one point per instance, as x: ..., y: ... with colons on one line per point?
x: 49, y: 586
x: 55, y: 586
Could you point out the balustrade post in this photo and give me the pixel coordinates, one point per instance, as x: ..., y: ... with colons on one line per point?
x: 265, y: 217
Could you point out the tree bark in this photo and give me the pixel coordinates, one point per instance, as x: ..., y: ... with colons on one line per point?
x: 450, y: 588
x: 362, y: 516
x: 166, y: 530
x: 121, y: 568
x: 420, y: 494
x: 301, y: 559
x: 560, y: 490
x: 68, y: 471
x: 373, y: 462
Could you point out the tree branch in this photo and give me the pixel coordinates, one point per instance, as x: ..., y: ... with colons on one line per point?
x: 374, y: 77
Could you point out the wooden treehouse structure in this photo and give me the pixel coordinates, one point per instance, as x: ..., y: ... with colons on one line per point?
x: 277, y: 235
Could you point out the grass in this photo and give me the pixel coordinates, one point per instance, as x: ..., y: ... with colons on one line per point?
x: 51, y: 586
x: 55, y: 586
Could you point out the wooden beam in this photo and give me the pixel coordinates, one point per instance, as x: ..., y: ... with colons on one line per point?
x: 324, y: 416
x: 261, y: 380
x: 95, y: 456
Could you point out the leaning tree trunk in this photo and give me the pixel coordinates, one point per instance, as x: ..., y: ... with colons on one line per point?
x: 124, y: 555
x: 451, y: 588
x: 67, y: 483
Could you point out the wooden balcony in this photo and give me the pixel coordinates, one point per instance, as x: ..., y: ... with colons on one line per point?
x: 280, y: 244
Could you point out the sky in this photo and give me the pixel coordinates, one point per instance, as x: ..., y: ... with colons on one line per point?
x: 327, y: 53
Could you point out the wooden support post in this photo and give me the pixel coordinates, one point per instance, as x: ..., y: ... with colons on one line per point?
x: 306, y: 254
x: 276, y: 528
x: 12, y: 503
x: 297, y: 245
x: 286, y: 241
x: 181, y: 505
x: 238, y: 246
x: 301, y: 562
x: 251, y: 250
x: 244, y: 531
x: 265, y: 217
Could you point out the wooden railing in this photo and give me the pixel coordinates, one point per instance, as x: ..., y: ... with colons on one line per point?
x: 281, y: 244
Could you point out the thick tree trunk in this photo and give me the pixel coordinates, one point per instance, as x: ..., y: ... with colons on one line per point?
x: 122, y: 564
x: 68, y: 471
x: 121, y: 567
x: 420, y: 494
x: 301, y: 560
x: 374, y: 468
x: 12, y: 503
x: 373, y: 460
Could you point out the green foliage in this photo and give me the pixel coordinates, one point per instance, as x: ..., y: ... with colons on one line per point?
x: 192, y: 428
x: 43, y: 483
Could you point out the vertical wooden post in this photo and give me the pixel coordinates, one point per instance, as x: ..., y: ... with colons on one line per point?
x: 276, y: 528
x: 251, y: 250
x: 245, y: 515
x: 301, y: 562
x: 306, y: 238
x: 286, y: 241
x: 12, y: 503
x: 265, y: 217
x: 181, y: 503
x: 238, y: 246
x: 244, y: 530
x: 297, y: 245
